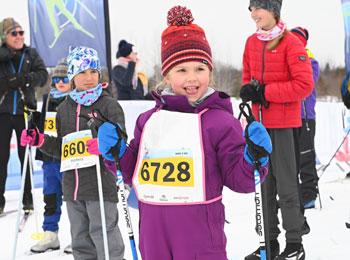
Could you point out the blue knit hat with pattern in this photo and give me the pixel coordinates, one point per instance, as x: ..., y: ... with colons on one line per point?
x: 82, y: 58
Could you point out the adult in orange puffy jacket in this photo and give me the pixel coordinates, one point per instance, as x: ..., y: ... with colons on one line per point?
x: 277, y: 75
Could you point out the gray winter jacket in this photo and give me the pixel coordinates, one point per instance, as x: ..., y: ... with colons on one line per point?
x: 82, y: 184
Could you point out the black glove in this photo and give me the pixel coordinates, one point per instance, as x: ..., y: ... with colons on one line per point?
x: 16, y: 81
x: 34, y: 120
x: 28, y: 99
x: 254, y: 92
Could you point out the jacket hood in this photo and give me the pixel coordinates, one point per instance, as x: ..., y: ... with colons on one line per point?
x: 217, y: 100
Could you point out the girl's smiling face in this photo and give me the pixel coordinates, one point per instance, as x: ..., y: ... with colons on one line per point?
x: 190, y: 79
x: 263, y: 18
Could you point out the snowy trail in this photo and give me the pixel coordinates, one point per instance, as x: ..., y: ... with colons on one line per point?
x: 328, y: 239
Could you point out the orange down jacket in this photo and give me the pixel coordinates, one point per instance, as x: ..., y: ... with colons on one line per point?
x: 287, y: 75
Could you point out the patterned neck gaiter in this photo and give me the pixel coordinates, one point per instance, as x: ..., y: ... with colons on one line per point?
x: 87, y: 97
x: 272, y: 33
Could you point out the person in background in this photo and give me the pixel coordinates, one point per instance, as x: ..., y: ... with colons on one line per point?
x: 307, y: 160
x: 51, y: 166
x: 21, y: 70
x: 276, y: 76
x: 185, y: 150
x: 131, y: 83
x: 80, y: 186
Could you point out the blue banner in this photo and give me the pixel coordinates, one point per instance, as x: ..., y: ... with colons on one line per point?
x: 57, y: 24
x: 346, y: 16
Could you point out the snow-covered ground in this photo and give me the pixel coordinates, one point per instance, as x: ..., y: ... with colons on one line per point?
x: 328, y: 240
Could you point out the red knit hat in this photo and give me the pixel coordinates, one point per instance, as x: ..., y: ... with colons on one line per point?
x: 301, y: 33
x: 183, y: 41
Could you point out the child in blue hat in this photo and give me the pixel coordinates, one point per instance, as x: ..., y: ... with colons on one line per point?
x: 74, y: 146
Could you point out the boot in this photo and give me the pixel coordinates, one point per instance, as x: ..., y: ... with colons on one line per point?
x: 2, y: 203
x: 274, y: 249
x: 68, y: 249
x: 27, y: 202
x: 293, y: 251
x: 48, y: 242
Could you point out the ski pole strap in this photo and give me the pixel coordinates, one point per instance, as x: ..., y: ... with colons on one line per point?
x: 120, y: 131
x: 249, y: 116
x: 115, y: 149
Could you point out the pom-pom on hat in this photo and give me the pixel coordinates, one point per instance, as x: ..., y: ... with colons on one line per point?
x: 270, y: 5
x: 302, y: 34
x: 82, y: 58
x: 183, y: 41
x: 60, y: 69
x: 124, y: 49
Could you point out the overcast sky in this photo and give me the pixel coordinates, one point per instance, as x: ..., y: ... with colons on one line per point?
x: 227, y: 24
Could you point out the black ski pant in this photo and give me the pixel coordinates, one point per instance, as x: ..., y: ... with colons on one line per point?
x: 281, y: 188
x: 8, y: 124
x: 308, y: 172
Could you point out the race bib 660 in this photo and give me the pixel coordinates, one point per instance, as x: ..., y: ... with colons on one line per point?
x: 74, y: 151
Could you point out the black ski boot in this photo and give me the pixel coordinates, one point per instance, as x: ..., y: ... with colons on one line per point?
x: 27, y: 202
x: 293, y: 251
x: 2, y: 203
x: 274, y: 249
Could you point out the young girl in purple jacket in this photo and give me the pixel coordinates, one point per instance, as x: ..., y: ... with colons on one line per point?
x: 185, y: 150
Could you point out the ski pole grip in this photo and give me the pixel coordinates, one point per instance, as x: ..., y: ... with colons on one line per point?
x: 92, y: 125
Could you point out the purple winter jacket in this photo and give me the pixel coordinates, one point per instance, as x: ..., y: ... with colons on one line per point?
x: 223, y: 143
x: 310, y: 101
x: 195, y: 229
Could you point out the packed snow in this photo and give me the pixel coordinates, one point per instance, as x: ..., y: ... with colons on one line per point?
x: 328, y: 240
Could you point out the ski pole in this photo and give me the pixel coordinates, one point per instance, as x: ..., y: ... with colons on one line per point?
x: 260, y: 218
x: 100, y: 194
x: 308, y: 130
x: 324, y: 169
x: 123, y: 195
x: 31, y: 175
x: 126, y: 213
x: 24, y: 173
x: 121, y: 185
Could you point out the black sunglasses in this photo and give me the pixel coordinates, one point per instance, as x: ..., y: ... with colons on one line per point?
x: 14, y: 33
x: 58, y: 79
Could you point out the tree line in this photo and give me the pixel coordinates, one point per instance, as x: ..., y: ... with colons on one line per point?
x: 229, y: 79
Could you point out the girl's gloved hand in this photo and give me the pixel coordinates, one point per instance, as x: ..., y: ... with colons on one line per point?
x: 92, y: 146
x: 258, y: 144
x: 107, y: 141
x: 32, y: 137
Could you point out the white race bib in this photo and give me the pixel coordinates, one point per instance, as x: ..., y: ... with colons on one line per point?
x: 74, y: 151
x: 50, y: 124
x: 170, y: 165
